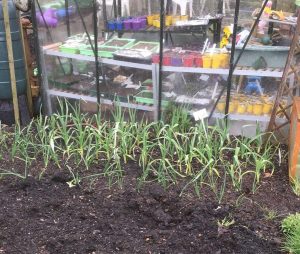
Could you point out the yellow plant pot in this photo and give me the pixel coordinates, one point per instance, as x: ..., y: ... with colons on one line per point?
x: 156, y: 16
x: 242, y: 108
x: 156, y: 23
x: 150, y: 20
x: 175, y: 19
x: 168, y: 20
x: 224, y: 60
x: 258, y: 109
x: 250, y: 108
x: 233, y: 106
x: 184, y: 17
x: 207, y: 61
x: 267, y: 108
x: 216, y: 61
x: 221, y: 106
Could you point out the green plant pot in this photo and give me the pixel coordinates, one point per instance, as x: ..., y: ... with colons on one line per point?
x: 146, y: 97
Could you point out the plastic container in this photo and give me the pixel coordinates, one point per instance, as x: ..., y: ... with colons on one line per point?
x: 119, y: 25
x: 156, y: 16
x: 250, y: 108
x: 188, y: 61
x: 150, y: 20
x: 242, y: 108
x: 224, y: 60
x: 258, y: 109
x: 275, y: 56
x: 127, y: 24
x: 175, y: 19
x: 111, y: 25
x: 184, y: 17
x: 146, y: 45
x: 155, y: 59
x: 168, y: 20
x: 216, y: 61
x: 267, y: 108
x: 198, y: 61
x: 136, y: 24
x: 176, y: 61
x: 156, y: 23
x: 167, y: 60
x: 146, y: 97
x: 207, y: 61
x: 143, y: 23
x: 221, y: 106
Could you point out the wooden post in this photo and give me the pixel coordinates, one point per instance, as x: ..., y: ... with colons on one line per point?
x: 25, y: 53
x: 11, y: 61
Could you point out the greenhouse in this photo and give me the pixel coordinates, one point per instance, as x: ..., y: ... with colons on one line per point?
x: 149, y: 126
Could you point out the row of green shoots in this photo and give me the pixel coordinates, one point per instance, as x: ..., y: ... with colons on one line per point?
x: 165, y: 152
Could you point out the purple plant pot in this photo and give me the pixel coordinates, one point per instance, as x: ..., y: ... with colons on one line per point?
x: 176, y: 61
x: 50, y: 18
x: 136, y: 24
x: 127, y: 24
x: 143, y: 23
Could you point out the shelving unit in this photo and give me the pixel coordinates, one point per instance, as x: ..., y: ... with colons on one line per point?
x: 276, y: 73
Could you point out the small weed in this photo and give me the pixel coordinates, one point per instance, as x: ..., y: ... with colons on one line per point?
x: 270, y: 214
x: 296, y: 187
x: 226, y: 222
x: 224, y: 225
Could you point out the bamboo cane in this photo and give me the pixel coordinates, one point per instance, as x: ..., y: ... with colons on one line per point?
x: 11, y: 61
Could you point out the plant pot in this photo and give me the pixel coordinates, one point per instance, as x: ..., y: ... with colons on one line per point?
x: 188, y: 61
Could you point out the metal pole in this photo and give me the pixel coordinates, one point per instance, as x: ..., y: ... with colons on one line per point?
x: 104, y: 13
x: 220, y: 6
x: 67, y: 17
x: 119, y: 8
x: 96, y: 53
x: 10, y: 55
x: 231, y: 70
x: 37, y: 49
x: 161, y: 54
x: 68, y: 27
x: 271, y: 24
x: 84, y: 25
x: 115, y: 8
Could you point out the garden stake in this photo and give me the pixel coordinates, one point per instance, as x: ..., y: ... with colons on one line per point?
x: 10, y: 54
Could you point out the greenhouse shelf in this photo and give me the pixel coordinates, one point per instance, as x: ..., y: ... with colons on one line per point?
x: 61, y: 93
x: 241, y: 117
x: 276, y: 73
x: 101, y: 60
x: 271, y: 72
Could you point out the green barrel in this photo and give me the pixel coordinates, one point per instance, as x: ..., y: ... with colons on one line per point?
x: 5, y: 86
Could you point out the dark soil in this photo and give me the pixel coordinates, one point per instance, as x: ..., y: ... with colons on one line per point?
x: 116, y: 43
x: 144, y: 45
x: 46, y: 216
